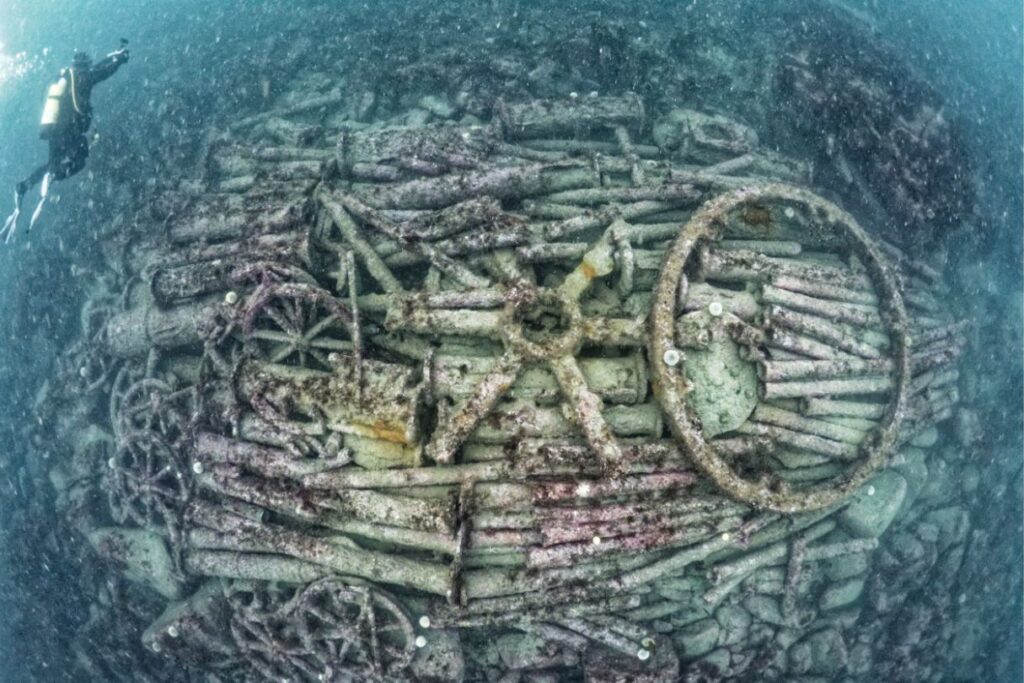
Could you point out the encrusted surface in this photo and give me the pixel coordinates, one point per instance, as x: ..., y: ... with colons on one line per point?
x: 577, y: 389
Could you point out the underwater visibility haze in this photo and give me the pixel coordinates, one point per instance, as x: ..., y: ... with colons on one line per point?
x: 513, y: 341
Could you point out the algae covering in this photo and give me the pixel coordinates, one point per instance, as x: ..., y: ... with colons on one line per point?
x: 508, y: 386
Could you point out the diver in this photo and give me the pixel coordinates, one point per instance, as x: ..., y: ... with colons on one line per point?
x: 67, y: 115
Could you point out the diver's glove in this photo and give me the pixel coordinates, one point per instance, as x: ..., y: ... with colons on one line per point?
x: 120, y: 56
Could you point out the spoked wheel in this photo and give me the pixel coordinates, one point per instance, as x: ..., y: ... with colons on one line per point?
x: 268, y: 642
x: 152, y: 405
x: 536, y: 326
x: 362, y: 633
x: 296, y: 324
x: 147, y: 481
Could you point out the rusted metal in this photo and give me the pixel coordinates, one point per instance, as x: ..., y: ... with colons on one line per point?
x: 706, y: 226
x: 442, y: 358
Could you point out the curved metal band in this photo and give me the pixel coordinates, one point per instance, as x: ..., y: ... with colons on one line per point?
x: 705, y: 225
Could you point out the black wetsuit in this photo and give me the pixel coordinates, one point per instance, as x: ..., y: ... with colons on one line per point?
x: 69, y: 147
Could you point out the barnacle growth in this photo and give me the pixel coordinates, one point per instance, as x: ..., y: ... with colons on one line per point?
x: 548, y: 392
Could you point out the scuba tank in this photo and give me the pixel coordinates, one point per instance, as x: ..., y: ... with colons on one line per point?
x: 52, y: 107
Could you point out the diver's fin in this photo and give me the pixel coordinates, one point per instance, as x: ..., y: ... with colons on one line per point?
x: 44, y: 190
x: 11, y: 224
x: 36, y: 213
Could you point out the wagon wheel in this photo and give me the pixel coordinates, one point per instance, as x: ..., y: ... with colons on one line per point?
x: 669, y: 296
x: 88, y: 365
x: 266, y: 638
x: 147, y: 483
x: 360, y: 631
x: 196, y: 635
x: 151, y: 405
x: 126, y: 376
x: 297, y: 324
x: 264, y: 273
x: 221, y: 346
x: 543, y: 325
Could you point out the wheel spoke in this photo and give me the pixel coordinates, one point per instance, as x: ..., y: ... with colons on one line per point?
x: 281, y: 352
x: 319, y: 327
x: 284, y: 323
x: 449, y: 437
x: 274, y: 336
x: 331, y: 344
x: 320, y: 356
x: 587, y: 407
x: 600, y: 330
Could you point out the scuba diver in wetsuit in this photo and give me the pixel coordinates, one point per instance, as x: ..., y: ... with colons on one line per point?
x: 67, y: 115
